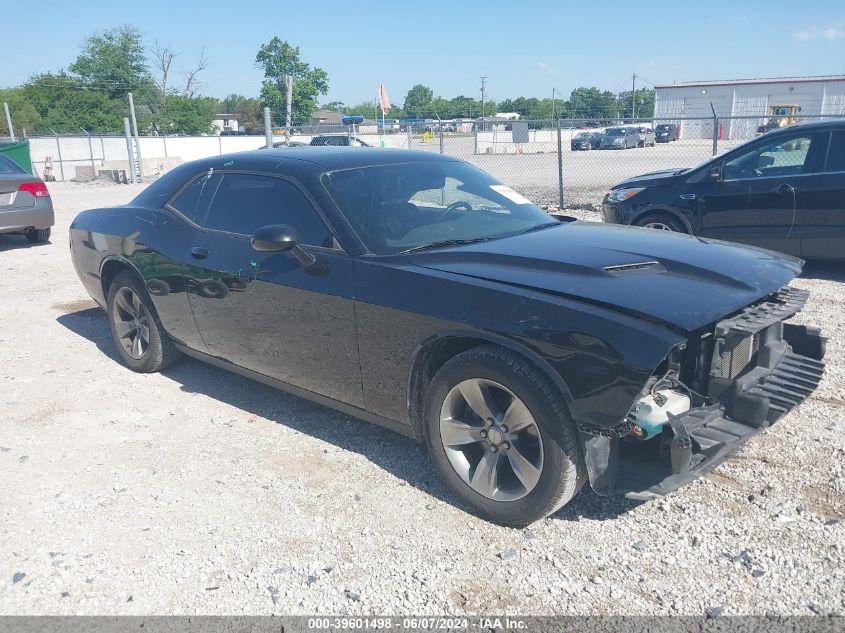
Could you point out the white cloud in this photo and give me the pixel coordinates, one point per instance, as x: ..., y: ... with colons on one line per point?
x: 547, y: 68
x: 815, y: 33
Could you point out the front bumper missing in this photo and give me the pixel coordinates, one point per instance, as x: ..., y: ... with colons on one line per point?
x: 784, y: 367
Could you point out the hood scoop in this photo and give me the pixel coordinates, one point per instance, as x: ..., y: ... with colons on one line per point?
x: 624, y: 268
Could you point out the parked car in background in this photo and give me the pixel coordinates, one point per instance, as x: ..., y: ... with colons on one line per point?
x: 784, y: 191
x: 233, y: 133
x: 583, y: 141
x: 646, y: 136
x: 338, y: 140
x: 666, y: 132
x: 620, y: 138
x: 415, y: 291
x: 25, y: 205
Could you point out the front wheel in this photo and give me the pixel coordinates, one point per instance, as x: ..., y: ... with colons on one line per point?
x: 138, y: 335
x: 501, y: 437
x: 661, y: 223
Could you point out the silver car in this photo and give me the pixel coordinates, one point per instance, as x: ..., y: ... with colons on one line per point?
x: 646, y: 136
x: 620, y: 138
x: 25, y: 205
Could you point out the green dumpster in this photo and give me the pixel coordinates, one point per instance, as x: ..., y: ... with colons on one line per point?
x: 18, y: 151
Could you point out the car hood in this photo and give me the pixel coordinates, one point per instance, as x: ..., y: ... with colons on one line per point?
x: 678, y: 280
x: 652, y: 179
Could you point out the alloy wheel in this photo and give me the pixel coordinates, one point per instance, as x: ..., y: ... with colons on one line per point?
x: 491, y: 439
x: 131, y: 322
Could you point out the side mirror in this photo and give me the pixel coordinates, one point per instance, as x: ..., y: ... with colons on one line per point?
x: 716, y: 173
x: 275, y: 238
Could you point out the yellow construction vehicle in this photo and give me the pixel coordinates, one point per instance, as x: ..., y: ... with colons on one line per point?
x: 780, y: 116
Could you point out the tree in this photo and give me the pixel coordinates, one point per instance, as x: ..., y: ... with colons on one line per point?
x: 644, y: 101
x: 231, y: 101
x: 24, y: 114
x: 192, y: 82
x: 418, y: 101
x: 250, y: 116
x: 185, y: 115
x: 334, y: 106
x: 279, y: 59
x: 113, y: 62
x: 163, y: 57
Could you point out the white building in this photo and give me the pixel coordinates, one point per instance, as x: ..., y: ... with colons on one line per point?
x: 226, y: 122
x: 745, y: 98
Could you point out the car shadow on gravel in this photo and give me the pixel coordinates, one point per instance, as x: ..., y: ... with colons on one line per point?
x: 824, y: 270
x: 402, y: 457
x: 15, y: 242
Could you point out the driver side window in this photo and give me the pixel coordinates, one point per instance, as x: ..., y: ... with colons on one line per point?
x: 780, y: 158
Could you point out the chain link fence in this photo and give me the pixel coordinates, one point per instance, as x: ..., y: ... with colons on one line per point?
x: 568, y: 163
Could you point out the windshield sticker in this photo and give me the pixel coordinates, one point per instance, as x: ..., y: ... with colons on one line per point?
x: 510, y: 194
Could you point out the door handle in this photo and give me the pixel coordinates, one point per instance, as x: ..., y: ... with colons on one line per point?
x: 784, y: 189
x: 199, y: 252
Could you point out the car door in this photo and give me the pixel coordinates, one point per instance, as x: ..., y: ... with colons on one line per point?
x: 263, y: 310
x: 820, y: 223
x: 755, y: 200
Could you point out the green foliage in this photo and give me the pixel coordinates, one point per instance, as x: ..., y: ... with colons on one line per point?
x: 185, y: 115
x: 114, y: 63
x: 92, y: 94
x: 230, y: 102
x: 334, y: 106
x: 418, y: 101
x: 25, y: 118
x: 250, y: 116
x: 279, y: 59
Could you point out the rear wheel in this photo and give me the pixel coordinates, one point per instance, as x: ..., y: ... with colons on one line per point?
x: 38, y: 236
x: 500, y: 435
x: 661, y: 222
x: 138, y: 335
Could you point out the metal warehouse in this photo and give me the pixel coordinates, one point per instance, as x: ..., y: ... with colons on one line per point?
x: 749, y: 98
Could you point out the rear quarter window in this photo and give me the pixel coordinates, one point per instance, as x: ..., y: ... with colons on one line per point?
x: 836, y: 152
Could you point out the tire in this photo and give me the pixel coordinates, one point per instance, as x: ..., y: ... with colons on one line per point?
x: 158, y: 352
x: 213, y: 289
x: 662, y: 222
x: 38, y: 236
x: 158, y: 287
x: 550, y: 444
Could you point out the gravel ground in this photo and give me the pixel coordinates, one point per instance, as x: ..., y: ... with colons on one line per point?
x: 197, y: 491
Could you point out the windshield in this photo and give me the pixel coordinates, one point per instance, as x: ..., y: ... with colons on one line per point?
x: 583, y: 135
x: 399, y: 207
x: 662, y: 128
x: 615, y: 131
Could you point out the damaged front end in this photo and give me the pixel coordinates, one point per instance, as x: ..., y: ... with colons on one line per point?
x: 708, y: 397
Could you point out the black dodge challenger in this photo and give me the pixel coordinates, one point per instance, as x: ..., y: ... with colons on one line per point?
x: 415, y: 291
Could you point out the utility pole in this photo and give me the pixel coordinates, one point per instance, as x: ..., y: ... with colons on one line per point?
x: 554, y: 115
x: 483, y: 91
x: 268, y: 129
x: 137, y: 138
x: 9, y: 121
x: 288, y: 102
x: 129, y: 153
x: 633, y: 96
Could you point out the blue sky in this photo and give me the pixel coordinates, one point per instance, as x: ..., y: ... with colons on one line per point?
x: 524, y: 48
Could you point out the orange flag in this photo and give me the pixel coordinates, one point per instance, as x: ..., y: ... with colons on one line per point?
x: 383, y: 99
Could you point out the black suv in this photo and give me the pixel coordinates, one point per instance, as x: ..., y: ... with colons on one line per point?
x: 665, y: 132
x: 784, y: 190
